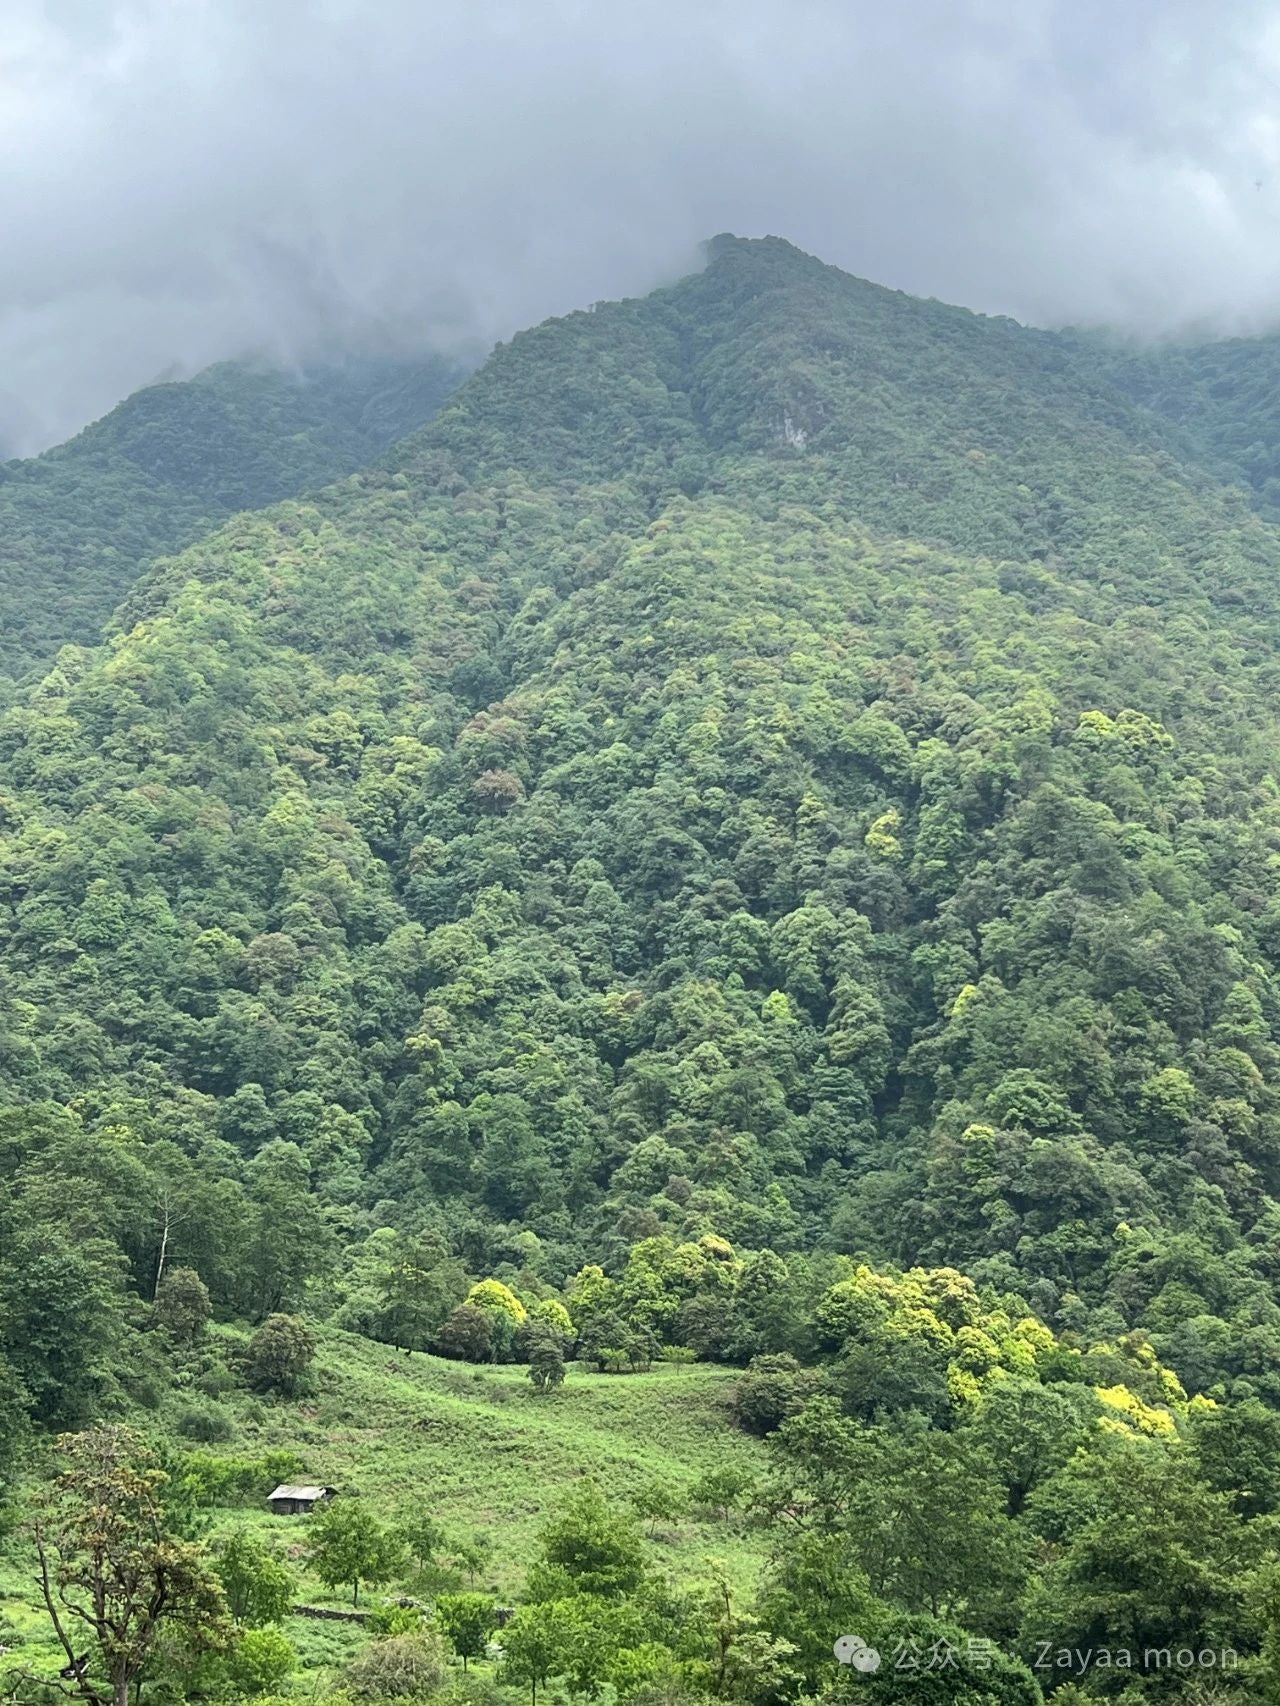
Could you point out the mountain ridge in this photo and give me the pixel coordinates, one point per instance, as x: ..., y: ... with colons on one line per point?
x: 80, y: 521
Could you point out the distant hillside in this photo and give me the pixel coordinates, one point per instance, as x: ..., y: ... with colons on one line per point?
x: 1224, y: 396
x: 78, y: 523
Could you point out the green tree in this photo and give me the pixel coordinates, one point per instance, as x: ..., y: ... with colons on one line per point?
x: 468, y: 1334
x: 419, y: 1289
x: 746, y: 1662
x: 772, y: 1388
x: 922, y: 1511
x: 467, y: 1619
x: 61, y: 1319
x: 722, y: 1489
x: 424, y: 1537
x: 347, y: 1545
x: 1237, y: 1451
x: 930, y: 1662
x: 258, y: 1587
x: 546, y: 1360
x: 279, y: 1355
x: 111, y: 1570
x: 290, y: 1241
x: 540, y: 1642
x: 471, y: 1554
x: 182, y: 1305
x: 1028, y: 1431
x: 657, y: 1501
x: 15, y: 1430
x: 590, y: 1547
x: 1145, y: 1555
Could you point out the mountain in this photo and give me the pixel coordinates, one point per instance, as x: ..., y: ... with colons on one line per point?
x: 751, y: 835
x: 1224, y: 396
x: 778, y: 709
x: 78, y: 524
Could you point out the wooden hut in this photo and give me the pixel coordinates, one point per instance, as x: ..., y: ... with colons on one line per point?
x: 288, y: 1500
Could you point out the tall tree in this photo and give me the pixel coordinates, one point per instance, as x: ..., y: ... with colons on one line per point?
x: 112, y: 1573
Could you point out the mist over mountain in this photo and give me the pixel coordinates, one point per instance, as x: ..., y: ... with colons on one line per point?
x: 300, y: 180
x: 79, y: 524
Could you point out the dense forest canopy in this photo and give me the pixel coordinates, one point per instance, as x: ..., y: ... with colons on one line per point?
x: 753, y: 835
x: 80, y: 523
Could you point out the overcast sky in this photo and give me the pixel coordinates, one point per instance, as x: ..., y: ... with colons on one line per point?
x: 182, y: 180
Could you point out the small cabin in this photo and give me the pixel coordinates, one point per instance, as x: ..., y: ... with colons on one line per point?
x: 296, y: 1501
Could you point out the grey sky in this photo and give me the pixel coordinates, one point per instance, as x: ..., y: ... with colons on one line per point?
x: 182, y: 180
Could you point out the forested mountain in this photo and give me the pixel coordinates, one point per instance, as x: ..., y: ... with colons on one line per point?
x: 1224, y: 395
x: 758, y: 827
x: 78, y: 524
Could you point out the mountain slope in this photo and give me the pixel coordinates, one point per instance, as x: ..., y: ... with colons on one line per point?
x: 1225, y: 398
x: 78, y: 523
x: 777, y: 760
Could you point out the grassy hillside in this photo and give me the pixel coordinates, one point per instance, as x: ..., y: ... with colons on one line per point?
x: 476, y: 1448
x: 483, y: 1452
x: 78, y: 524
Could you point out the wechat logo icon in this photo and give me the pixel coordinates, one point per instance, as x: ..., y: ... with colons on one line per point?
x: 852, y: 1650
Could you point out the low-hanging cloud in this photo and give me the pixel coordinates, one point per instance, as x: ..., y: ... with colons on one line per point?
x: 183, y: 180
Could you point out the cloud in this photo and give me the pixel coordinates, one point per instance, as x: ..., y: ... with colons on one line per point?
x: 182, y: 180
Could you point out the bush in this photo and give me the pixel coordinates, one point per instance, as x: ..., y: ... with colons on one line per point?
x: 279, y: 1355
x: 204, y: 1480
x: 208, y: 1423
x: 391, y: 1618
x: 216, y: 1381
x: 399, y: 1667
x: 771, y: 1389
x: 182, y: 1305
x: 143, y: 1387
x: 260, y: 1661
x: 472, y: 1690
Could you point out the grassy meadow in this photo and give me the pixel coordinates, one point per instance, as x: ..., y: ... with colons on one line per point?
x: 476, y: 1446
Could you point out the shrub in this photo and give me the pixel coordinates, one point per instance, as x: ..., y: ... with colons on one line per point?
x: 399, y: 1667
x: 472, y: 1690
x: 391, y: 1618
x: 261, y: 1660
x: 216, y: 1380
x: 279, y: 1355
x: 208, y: 1423
x: 204, y: 1480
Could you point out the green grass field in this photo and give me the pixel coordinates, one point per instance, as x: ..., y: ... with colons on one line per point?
x: 479, y: 1450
